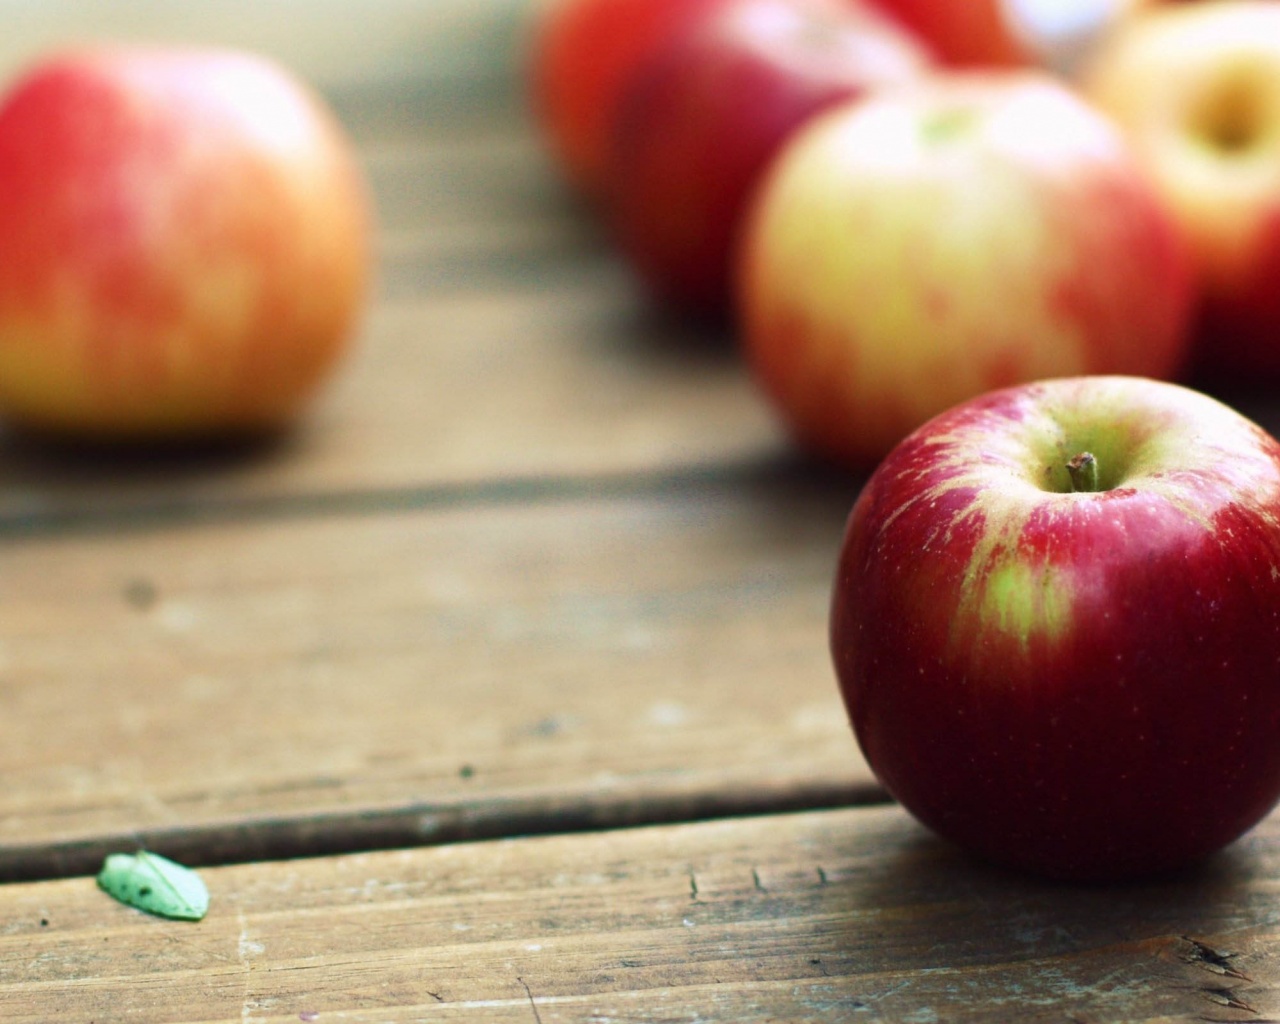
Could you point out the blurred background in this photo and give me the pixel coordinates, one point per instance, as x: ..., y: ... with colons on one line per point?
x: 334, y: 43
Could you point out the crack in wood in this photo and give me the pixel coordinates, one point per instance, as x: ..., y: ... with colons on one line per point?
x: 332, y: 834
x: 1204, y: 955
x: 176, y: 509
x: 1227, y: 997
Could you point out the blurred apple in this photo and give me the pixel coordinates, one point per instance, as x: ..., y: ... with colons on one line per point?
x: 931, y: 243
x: 183, y: 245
x: 581, y: 54
x: 1010, y: 33
x: 1197, y: 86
x: 699, y: 123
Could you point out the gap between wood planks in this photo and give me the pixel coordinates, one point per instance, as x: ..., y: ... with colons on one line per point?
x: 410, y: 826
x: 176, y: 509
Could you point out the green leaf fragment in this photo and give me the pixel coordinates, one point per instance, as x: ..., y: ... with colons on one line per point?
x: 155, y: 884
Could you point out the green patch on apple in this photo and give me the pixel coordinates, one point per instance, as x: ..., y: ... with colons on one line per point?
x: 1023, y: 601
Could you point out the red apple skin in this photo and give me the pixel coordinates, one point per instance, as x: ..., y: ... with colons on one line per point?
x: 1079, y: 685
x: 183, y: 245
x: 581, y: 54
x: 930, y: 243
x: 698, y: 125
x: 1197, y: 87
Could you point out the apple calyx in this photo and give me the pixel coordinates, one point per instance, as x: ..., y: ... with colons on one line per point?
x: 1231, y: 120
x: 1083, y: 470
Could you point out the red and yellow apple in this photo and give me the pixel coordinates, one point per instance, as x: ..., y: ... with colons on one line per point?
x: 1197, y: 87
x: 184, y: 245
x: 581, y: 53
x: 933, y: 242
x: 698, y: 124
x: 1056, y: 626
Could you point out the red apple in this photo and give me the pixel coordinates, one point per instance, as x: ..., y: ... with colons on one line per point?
x: 183, y: 245
x: 699, y: 123
x: 1079, y: 679
x: 1198, y: 88
x: 934, y: 242
x: 581, y: 54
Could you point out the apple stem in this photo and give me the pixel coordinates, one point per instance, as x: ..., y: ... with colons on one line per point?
x: 1083, y: 470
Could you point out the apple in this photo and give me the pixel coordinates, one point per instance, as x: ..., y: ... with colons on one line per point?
x: 580, y: 55
x: 1198, y: 89
x: 1073, y: 673
x: 184, y: 245
x: 1010, y: 33
x: 697, y: 125
x: 929, y: 243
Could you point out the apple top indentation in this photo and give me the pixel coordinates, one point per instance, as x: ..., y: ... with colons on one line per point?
x: 1231, y: 117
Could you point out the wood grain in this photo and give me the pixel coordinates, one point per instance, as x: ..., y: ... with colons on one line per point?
x: 833, y: 916
x: 288, y: 683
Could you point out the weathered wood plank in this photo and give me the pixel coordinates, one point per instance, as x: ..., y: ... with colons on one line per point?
x: 256, y: 686
x: 815, y: 917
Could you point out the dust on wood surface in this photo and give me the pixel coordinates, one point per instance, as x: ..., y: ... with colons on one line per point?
x: 289, y: 684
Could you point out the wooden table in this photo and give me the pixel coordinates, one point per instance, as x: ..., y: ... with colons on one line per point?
x: 499, y: 691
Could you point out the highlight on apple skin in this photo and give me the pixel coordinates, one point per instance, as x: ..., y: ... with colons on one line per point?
x: 936, y: 241
x: 1197, y: 87
x: 184, y: 245
x: 1076, y: 679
